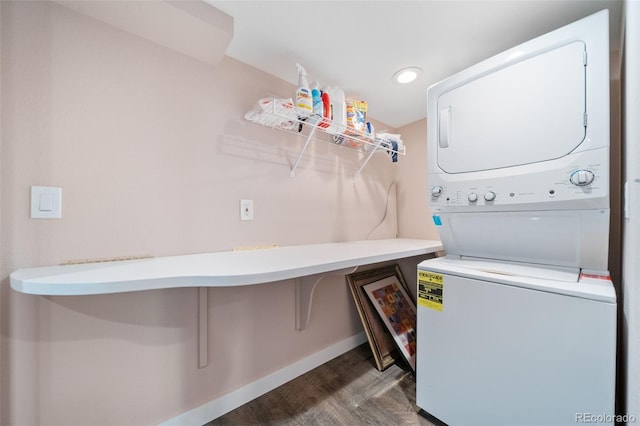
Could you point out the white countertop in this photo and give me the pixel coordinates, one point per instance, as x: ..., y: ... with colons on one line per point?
x: 222, y: 269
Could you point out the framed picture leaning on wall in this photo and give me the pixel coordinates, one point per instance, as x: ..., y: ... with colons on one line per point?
x: 381, y: 340
x: 391, y: 300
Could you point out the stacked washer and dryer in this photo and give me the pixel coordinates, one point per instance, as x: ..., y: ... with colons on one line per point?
x: 517, y: 324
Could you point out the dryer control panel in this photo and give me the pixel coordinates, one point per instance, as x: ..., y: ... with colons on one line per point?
x: 581, y: 181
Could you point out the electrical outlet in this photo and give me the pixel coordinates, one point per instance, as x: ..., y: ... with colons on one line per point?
x: 246, y: 209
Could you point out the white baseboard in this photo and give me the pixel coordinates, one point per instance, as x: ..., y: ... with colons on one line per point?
x: 217, y: 407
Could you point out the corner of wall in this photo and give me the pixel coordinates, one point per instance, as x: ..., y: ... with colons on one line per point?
x: 413, y: 212
x: 194, y: 28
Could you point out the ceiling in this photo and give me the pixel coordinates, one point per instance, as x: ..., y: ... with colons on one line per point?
x: 358, y: 45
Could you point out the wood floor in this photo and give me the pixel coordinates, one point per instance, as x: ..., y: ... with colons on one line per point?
x: 347, y: 390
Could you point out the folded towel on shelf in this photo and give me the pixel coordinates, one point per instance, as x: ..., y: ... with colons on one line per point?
x: 274, y: 112
x: 388, y: 142
x: 394, y: 151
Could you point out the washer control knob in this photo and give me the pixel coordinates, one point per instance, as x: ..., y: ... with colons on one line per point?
x: 490, y: 196
x: 582, y: 177
x: 436, y: 191
x: 473, y: 197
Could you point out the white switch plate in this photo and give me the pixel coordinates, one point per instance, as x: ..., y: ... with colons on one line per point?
x: 46, y: 202
x: 246, y: 209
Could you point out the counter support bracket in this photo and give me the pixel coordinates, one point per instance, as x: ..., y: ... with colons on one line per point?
x: 203, y: 326
x: 305, y: 287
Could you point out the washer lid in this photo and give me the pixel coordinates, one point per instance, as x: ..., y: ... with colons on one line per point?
x: 555, y: 273
x: 528, y: 112
x: 550, y: 279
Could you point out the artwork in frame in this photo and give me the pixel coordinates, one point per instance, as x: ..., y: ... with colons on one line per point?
x: 398, y: 312
x: 380, y: 339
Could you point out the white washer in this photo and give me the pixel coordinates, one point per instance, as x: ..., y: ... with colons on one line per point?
x: 508, y: 344
x: 517, y: 325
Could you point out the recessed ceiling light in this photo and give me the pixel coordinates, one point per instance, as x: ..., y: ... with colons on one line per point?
x: 406, y: 75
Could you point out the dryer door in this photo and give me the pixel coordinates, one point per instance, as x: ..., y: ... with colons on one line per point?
x: 531, y: 111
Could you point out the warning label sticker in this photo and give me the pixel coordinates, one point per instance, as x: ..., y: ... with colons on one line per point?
x: 430, y: 290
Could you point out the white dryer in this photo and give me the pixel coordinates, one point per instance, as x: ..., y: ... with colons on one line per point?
x: 517, y: 325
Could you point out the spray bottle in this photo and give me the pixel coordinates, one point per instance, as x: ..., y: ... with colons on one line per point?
x: 318, y: 106
x: 304, y: 102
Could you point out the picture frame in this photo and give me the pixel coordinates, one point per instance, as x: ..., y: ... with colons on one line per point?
x: 392, y: 302
x: 381, y: 342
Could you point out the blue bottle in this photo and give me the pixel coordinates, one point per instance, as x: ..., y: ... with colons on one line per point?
x: 318, y: 108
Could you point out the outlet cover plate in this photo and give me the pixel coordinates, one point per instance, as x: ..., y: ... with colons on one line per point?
x: 246, y: 209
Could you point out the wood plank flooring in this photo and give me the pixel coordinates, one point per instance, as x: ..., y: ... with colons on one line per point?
x: 347, y: 390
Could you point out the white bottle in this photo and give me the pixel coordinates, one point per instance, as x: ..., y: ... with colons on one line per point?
x: 304, y: 101
x: 338, y: 109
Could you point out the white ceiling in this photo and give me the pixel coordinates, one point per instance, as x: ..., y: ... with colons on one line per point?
x: 358, y: 45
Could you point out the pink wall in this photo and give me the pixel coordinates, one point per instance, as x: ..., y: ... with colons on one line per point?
x: 414, y: 216
x: 153, y: 156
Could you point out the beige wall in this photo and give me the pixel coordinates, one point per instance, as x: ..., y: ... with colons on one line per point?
x: 414, y: 216
x: 153, y: 156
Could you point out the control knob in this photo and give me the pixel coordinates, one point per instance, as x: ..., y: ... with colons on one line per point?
x: 473, y: 197
x: 436, y: 191
x: 582, y: 177
x: 490, y: 196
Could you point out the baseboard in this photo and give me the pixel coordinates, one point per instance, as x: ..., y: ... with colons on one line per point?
x: 220, y: 406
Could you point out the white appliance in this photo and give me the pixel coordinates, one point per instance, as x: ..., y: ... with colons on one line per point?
x: 631, y: 223
x: 517, y: 324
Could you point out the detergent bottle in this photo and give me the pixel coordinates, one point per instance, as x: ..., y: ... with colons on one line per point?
x: 326, y: 104
x: 304, y: 101
x: 338, y: 110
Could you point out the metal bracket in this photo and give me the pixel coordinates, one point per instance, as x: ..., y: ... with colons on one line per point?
x: 304, y: 148
x: 366, y: 160
x: 203, y: 326
x: 305, y: 287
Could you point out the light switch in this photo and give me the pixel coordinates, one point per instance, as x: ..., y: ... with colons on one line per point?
x: 46, y: 202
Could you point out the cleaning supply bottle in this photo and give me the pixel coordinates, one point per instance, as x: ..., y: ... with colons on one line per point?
x: 318, y: 107
x: 326, y: 104
x: 304, y: 102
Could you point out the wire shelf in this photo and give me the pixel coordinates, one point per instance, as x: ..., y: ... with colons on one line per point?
x: 282, y: 115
